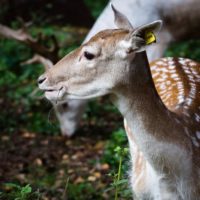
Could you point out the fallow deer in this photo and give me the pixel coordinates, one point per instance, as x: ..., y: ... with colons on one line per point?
x: 160, y: 104
x: 172, y: 12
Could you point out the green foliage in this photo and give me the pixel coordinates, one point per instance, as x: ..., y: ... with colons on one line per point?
x: 96, y: 7
x: 17, y: 192
x: 21, y: 109
x: 82, y: 191
x: 16, y: 84
x: 117, y: 139
x: 187, y: 49
x: 44, y: 177
x: 116, y: 154
x: 119, y: 183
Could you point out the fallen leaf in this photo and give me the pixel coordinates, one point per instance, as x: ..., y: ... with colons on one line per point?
x: 21, y: 177
x: 65, y: 157
x: 45, y: 142
x: 79, y: 180
x: 97, y: 174
x: 99, y: 146
x: 92, y: 178
x: 28, y: 135
x: 5, y: 138
x: 70, y: 171
x: 105, y: 166
x: 38, y: 162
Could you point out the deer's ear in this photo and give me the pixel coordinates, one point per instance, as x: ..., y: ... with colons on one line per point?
x: 145, y: 35
x: 121, y: 20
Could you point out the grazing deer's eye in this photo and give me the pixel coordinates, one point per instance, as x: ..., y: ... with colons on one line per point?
x: 88, y: 55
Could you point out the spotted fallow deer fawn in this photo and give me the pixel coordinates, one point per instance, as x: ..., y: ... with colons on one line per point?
x: 160, y: 104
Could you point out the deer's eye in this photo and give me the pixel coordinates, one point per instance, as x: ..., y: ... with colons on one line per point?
x: 88, y: 55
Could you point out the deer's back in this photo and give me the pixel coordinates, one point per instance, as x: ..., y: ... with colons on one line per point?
x: 177, y: 81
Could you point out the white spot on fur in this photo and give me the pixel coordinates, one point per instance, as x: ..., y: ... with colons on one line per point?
x: 154, y: 67
x: 187, y: 131
x: 177, y: 121
x: 172, y: 67
x: 198, y: 134
x: 195, y: 142
x: 160, y: 62
x: 197, y: 117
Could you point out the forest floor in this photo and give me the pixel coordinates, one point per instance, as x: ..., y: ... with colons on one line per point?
x: 59, y: 167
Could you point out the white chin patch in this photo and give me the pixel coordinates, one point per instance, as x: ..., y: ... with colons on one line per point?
x: 54, y: 95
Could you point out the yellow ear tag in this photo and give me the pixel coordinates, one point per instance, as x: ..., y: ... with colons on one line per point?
x: 150, y: 37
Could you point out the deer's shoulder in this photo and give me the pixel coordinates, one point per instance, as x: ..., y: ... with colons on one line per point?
x: 177, y: 81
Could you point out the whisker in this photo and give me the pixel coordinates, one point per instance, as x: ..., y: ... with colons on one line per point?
x: 58, y: 95
x: 49, y: 115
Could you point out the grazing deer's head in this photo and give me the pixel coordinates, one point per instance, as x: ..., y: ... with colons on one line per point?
x: 100, y: 65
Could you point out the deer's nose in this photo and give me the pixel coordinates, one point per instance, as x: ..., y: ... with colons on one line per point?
x: 41, y: 79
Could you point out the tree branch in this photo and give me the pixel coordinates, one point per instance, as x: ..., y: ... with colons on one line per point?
x: 23, y: 36
x: 39, y: 59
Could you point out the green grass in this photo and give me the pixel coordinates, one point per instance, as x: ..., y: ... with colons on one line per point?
x: 17, y: 192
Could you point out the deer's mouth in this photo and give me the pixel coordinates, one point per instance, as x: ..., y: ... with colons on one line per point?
x: 54, y: 94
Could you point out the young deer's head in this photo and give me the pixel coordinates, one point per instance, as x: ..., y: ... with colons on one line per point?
x: 99, y: 66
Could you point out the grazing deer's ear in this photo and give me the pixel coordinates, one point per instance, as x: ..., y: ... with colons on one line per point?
x: 121, y: 20
x: 145, y: 35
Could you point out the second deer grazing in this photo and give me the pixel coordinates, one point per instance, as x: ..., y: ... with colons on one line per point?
x: 159, y: 102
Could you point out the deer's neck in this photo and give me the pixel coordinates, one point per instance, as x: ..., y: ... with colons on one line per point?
x: 151, y: 123
x: 138, y: 99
